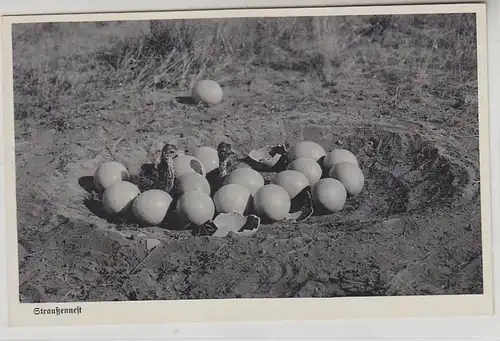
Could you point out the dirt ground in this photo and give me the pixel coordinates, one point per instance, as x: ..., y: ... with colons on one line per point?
x: 415, y: 229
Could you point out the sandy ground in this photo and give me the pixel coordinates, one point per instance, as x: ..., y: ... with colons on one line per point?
x: 415, y: 229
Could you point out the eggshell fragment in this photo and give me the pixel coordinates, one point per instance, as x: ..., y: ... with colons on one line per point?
x: 226, y: 222
x: 235, y: 223
x: 187, y: 163
x: 266, y: 156
x: 208, y: 157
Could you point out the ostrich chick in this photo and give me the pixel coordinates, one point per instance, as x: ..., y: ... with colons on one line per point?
x: 228, y: 159
x: 165, y: 167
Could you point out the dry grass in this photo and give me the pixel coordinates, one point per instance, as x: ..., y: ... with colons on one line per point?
x: 424, y: 56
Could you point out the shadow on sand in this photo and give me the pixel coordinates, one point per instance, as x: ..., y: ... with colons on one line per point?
x: 87, y: 183
x: 187, y: 100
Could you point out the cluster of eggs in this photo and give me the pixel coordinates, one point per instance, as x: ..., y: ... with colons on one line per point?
x: 308, y: 165
x: 243, y: 190
x: 192, y: 191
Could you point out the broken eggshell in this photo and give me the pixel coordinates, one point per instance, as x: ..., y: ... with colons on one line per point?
x: 251, y: 226
x: 268, y: 155
x: 236, y: 223
x: 302, y: 206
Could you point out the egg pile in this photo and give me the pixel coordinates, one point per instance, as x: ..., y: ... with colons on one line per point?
x: 330, y: 177
x: 333, y: 176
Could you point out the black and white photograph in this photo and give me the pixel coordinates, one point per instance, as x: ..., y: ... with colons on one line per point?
x: 259, y: 156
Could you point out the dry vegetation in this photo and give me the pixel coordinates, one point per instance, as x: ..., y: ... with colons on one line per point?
x: 400, y: 91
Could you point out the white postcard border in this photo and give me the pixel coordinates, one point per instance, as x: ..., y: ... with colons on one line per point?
x: 284, y: 306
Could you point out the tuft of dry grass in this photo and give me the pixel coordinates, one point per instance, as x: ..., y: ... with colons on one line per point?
x: 58, y: 63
